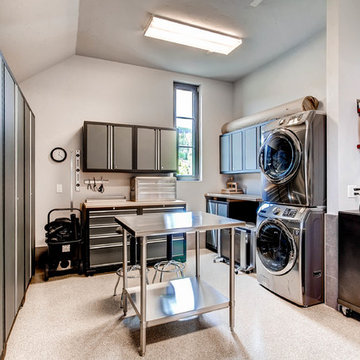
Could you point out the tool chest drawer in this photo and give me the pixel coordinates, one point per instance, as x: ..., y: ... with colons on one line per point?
x: 159, y: 209
x: 106, y: 256
x: 107, y: 217
x: 96, y: 240
x: 106, y: 230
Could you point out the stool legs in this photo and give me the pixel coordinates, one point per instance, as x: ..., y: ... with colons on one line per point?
x: 163, y: 267
x: 117, y: 284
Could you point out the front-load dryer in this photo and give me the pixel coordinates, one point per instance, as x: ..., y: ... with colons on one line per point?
x: 289, y: 252
x: 292, y: 159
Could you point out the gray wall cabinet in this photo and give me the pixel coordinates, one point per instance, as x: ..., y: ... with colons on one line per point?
x: 156, y: 149
x: 107, y: 147
x: 129, y: 148
x: 17, y: 235
x: 239, y: 151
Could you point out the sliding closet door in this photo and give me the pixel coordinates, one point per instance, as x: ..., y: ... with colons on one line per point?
x: 20, y: 242
x: 32, y: 193
x: 2, y: 318
x: 27, y: 195
x: 9, y: 197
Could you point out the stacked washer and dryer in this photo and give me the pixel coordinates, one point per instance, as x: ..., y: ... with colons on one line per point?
x: 290, y: 221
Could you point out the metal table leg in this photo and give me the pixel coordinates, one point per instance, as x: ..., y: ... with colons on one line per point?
x: 232, y: 282
x: 143, y: 296
x: 197, y: 253
x: 125, y: 280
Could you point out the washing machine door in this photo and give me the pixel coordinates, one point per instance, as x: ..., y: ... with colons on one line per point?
x: 280, y: 156
x: 276, y: 247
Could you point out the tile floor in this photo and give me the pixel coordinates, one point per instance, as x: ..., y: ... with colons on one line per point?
x: 78, y: 318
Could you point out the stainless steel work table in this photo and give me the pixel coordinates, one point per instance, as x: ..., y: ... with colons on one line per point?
x: 177, y: 299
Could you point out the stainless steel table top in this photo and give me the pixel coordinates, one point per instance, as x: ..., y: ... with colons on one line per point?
x: 173, y: 223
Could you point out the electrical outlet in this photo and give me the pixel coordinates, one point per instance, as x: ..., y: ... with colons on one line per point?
x: 353, y: 191
x: 59, y: 188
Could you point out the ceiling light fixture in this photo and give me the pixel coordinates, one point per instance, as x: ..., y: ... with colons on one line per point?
x: 189, y: 35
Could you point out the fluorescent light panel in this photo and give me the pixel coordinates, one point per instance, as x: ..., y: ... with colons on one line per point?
x: 189, y: 35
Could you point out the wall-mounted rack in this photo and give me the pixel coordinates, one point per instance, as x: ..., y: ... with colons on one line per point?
x: 96, y: 181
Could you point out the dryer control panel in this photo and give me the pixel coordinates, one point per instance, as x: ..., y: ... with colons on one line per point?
x: 290, y: 212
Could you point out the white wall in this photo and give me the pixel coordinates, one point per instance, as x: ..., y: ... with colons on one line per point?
x: 294, y: 75
x: 35, y: 35
x: 81, y: 89
x: 343, y: 74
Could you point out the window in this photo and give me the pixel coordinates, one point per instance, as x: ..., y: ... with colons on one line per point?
x: 186, y: 120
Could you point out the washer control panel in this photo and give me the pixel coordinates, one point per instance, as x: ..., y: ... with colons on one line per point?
x: 276, y: 211
x: 290, y: 212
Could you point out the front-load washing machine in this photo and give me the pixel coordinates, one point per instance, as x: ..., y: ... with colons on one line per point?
x: 292, y: 159
x: 289, y: 252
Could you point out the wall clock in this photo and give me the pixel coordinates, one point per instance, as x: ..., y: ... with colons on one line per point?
x: 58, y: 154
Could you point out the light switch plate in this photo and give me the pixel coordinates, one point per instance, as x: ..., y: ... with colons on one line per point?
x: 351, y: 193
x: 59, y: 188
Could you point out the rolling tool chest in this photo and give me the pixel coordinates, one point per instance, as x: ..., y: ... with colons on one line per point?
x: 103, y: 245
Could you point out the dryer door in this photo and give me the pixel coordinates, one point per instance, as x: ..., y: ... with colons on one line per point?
x: 280, y: 156
x: 276, y: 247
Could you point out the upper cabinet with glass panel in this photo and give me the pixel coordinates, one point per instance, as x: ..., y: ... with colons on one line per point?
x: 186, y: 103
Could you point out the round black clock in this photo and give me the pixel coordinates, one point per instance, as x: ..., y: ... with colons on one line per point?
x: 58, y: 154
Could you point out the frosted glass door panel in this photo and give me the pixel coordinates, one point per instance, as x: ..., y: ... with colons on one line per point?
x: 97, y: 146
x: 225, y: 153
x: 122, y: 148
x: 168, y: 150
x: 146, y: 149
x: 250, y: 137
x: 237, y: 152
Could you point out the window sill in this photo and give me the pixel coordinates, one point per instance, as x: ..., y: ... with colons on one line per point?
x: 188, y: 179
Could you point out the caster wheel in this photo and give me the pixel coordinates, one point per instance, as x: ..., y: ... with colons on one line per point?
x: 46, y: 272
x: 345, y: 311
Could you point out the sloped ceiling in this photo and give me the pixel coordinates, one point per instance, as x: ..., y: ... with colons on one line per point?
x: 36, y: 34
x: 113, y: 30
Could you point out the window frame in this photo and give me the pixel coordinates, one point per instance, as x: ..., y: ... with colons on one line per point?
x: 195, y: 131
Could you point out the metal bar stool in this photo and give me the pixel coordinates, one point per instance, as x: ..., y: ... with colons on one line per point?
x: 169, y: 265
x: 131, y: 268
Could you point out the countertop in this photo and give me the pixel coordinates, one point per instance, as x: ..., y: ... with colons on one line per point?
x: 129, y: 204
x: 241, y: 197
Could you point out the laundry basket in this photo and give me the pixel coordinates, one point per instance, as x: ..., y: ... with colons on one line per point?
x: 64, y: 240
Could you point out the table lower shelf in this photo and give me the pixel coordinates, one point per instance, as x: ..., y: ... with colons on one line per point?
x: 177, y: 299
